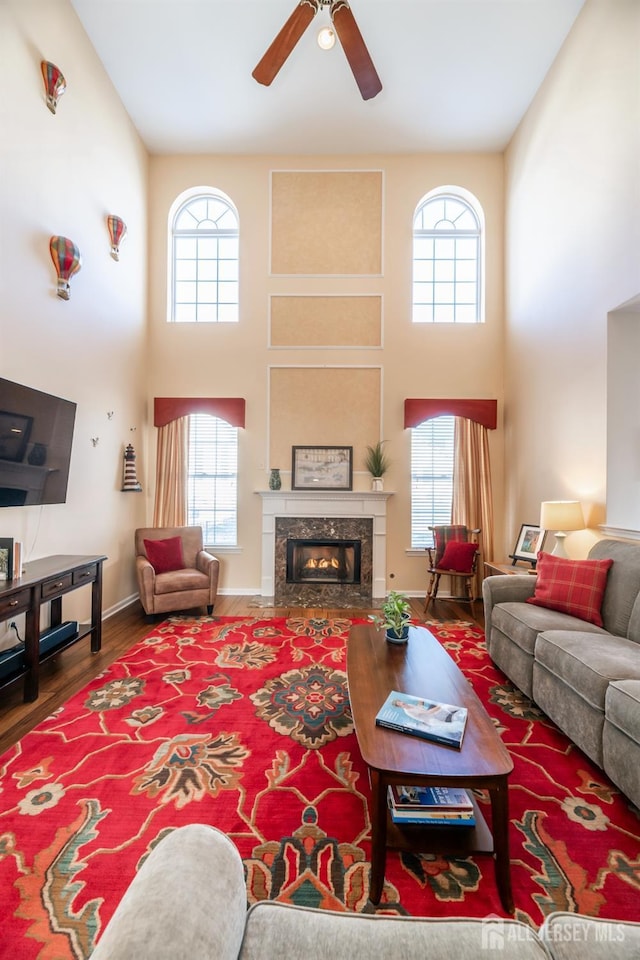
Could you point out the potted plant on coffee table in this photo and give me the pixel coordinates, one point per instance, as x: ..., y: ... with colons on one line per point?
x: 396, y: 614
x: 377, y: 463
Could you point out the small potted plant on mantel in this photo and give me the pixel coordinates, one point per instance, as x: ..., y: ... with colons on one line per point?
x: 396, y: 614
x: 377, y: 463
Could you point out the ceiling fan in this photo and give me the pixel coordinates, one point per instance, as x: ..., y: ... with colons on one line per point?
x: 348, y: 33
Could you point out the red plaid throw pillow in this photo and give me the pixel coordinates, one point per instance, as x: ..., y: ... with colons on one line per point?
x: 458, y: 556
x: 165, y: 555
x: 571, y: 586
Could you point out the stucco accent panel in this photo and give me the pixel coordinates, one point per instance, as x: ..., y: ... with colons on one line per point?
x: 313, y: 321
x: 326, y: 222
x: 323, y: 406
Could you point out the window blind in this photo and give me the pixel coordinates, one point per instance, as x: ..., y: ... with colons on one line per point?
x: 212, y: 481
x: 432, y: 456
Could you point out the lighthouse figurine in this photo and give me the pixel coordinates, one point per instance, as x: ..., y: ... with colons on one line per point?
x: 130, y: 480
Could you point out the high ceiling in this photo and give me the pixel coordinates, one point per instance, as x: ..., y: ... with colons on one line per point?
x: 457, y: 75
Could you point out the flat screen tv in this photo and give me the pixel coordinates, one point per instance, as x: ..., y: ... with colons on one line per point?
x: 36, y: 433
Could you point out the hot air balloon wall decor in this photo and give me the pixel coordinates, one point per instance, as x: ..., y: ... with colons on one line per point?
x: 54, y: 83
x: 117, y: 233
x: 67, y: 261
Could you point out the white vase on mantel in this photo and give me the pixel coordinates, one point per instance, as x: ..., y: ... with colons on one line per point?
x: 377, y: 484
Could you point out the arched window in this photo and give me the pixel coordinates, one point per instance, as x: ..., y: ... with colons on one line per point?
x: 447, y: 258
x: 204, y: 259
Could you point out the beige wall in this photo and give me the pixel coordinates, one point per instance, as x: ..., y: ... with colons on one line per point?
x: 415, y: 361
x: 571, y: 183
x: 573, y: 241
x: 63, y: 174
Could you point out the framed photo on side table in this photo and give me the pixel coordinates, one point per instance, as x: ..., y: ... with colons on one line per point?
x: 321, y: 468
x: 6, y: 558
x: 530, y: 540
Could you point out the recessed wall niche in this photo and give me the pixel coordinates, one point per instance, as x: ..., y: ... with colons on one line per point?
x: 323, y: 406
x: 326, y: 223
x: 334, y: 321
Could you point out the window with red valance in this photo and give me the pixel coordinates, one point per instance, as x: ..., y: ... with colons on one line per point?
x: 433, y: 458
x: 201, y: 462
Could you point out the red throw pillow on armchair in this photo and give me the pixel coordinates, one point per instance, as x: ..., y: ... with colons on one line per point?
x: 165, y: 555
x: 458, y: 556
x: 575, y: 587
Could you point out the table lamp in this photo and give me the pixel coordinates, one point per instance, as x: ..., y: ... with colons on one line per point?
x: 561, y: 516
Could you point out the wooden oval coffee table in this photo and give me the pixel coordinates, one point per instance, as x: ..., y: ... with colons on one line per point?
x: 423, y: 668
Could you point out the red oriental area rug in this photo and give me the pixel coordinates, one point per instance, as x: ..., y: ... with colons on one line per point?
x: 245, y: 724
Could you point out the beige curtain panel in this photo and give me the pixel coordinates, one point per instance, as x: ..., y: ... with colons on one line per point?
x: 472, y: 493
x: 170, y: 508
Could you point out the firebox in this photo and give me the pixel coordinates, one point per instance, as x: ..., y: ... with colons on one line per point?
x: 323, y: 561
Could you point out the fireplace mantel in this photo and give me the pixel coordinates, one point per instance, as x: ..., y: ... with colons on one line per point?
x: 325, y: 503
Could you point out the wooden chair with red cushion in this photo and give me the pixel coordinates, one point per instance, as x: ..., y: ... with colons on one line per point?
x: 454, y: 554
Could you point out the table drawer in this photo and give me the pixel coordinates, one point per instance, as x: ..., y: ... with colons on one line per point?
x: 85, y: 574
x: 15, y: 603
x: 56, y: 585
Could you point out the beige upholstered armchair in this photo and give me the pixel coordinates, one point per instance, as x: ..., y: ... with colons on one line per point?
x: 174, y: 571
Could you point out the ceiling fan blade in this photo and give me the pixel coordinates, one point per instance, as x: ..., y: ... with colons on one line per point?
x: 272, y: 61
x: 355, y: 49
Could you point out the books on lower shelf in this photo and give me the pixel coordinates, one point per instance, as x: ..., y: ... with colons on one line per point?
x: 442, y: 814
x: 440, y: 722
x: 431, y: 798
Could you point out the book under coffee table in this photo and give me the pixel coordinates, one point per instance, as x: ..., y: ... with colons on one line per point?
x: 423, y: 668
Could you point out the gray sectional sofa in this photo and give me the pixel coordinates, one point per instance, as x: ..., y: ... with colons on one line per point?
x: 188, y: 901
x: 586, y: 678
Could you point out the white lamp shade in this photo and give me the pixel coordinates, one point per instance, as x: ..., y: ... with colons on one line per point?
x: 561, y: 515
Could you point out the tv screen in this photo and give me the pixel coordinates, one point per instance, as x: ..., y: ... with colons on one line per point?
x: 36, y: 432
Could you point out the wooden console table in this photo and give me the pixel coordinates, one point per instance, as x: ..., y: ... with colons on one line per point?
x: 45, y: 581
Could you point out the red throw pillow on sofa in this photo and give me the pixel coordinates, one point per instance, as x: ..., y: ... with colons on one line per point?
x: 458, y: 556
x: 165, y: 555
x: 571, y: 586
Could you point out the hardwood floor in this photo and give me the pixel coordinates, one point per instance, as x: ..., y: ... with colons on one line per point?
x: 63, y: 676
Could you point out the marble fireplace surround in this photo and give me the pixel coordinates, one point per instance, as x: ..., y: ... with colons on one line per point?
x: 318, y: 509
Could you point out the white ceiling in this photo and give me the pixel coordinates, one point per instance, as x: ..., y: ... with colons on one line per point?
x: 457, y: 75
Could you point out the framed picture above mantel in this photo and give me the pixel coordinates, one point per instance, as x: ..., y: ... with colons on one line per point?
x: 321, y: 468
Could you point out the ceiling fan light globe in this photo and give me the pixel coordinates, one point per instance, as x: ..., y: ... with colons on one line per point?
x: 326, y: 38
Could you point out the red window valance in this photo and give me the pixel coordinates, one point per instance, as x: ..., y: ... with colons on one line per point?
x: 166, y: 409
x: 484, y: 412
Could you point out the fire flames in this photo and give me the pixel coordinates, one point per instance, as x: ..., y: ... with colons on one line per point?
x: 322, y: 563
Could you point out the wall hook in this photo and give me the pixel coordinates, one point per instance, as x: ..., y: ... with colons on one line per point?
x: 95, y: 441
x: 109, y: 414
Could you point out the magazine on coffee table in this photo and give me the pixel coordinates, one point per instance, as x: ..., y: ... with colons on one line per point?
x: 440, y: 722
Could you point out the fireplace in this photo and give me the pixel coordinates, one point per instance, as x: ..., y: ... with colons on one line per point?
x: 324, y: 515
x: 323, y: 561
